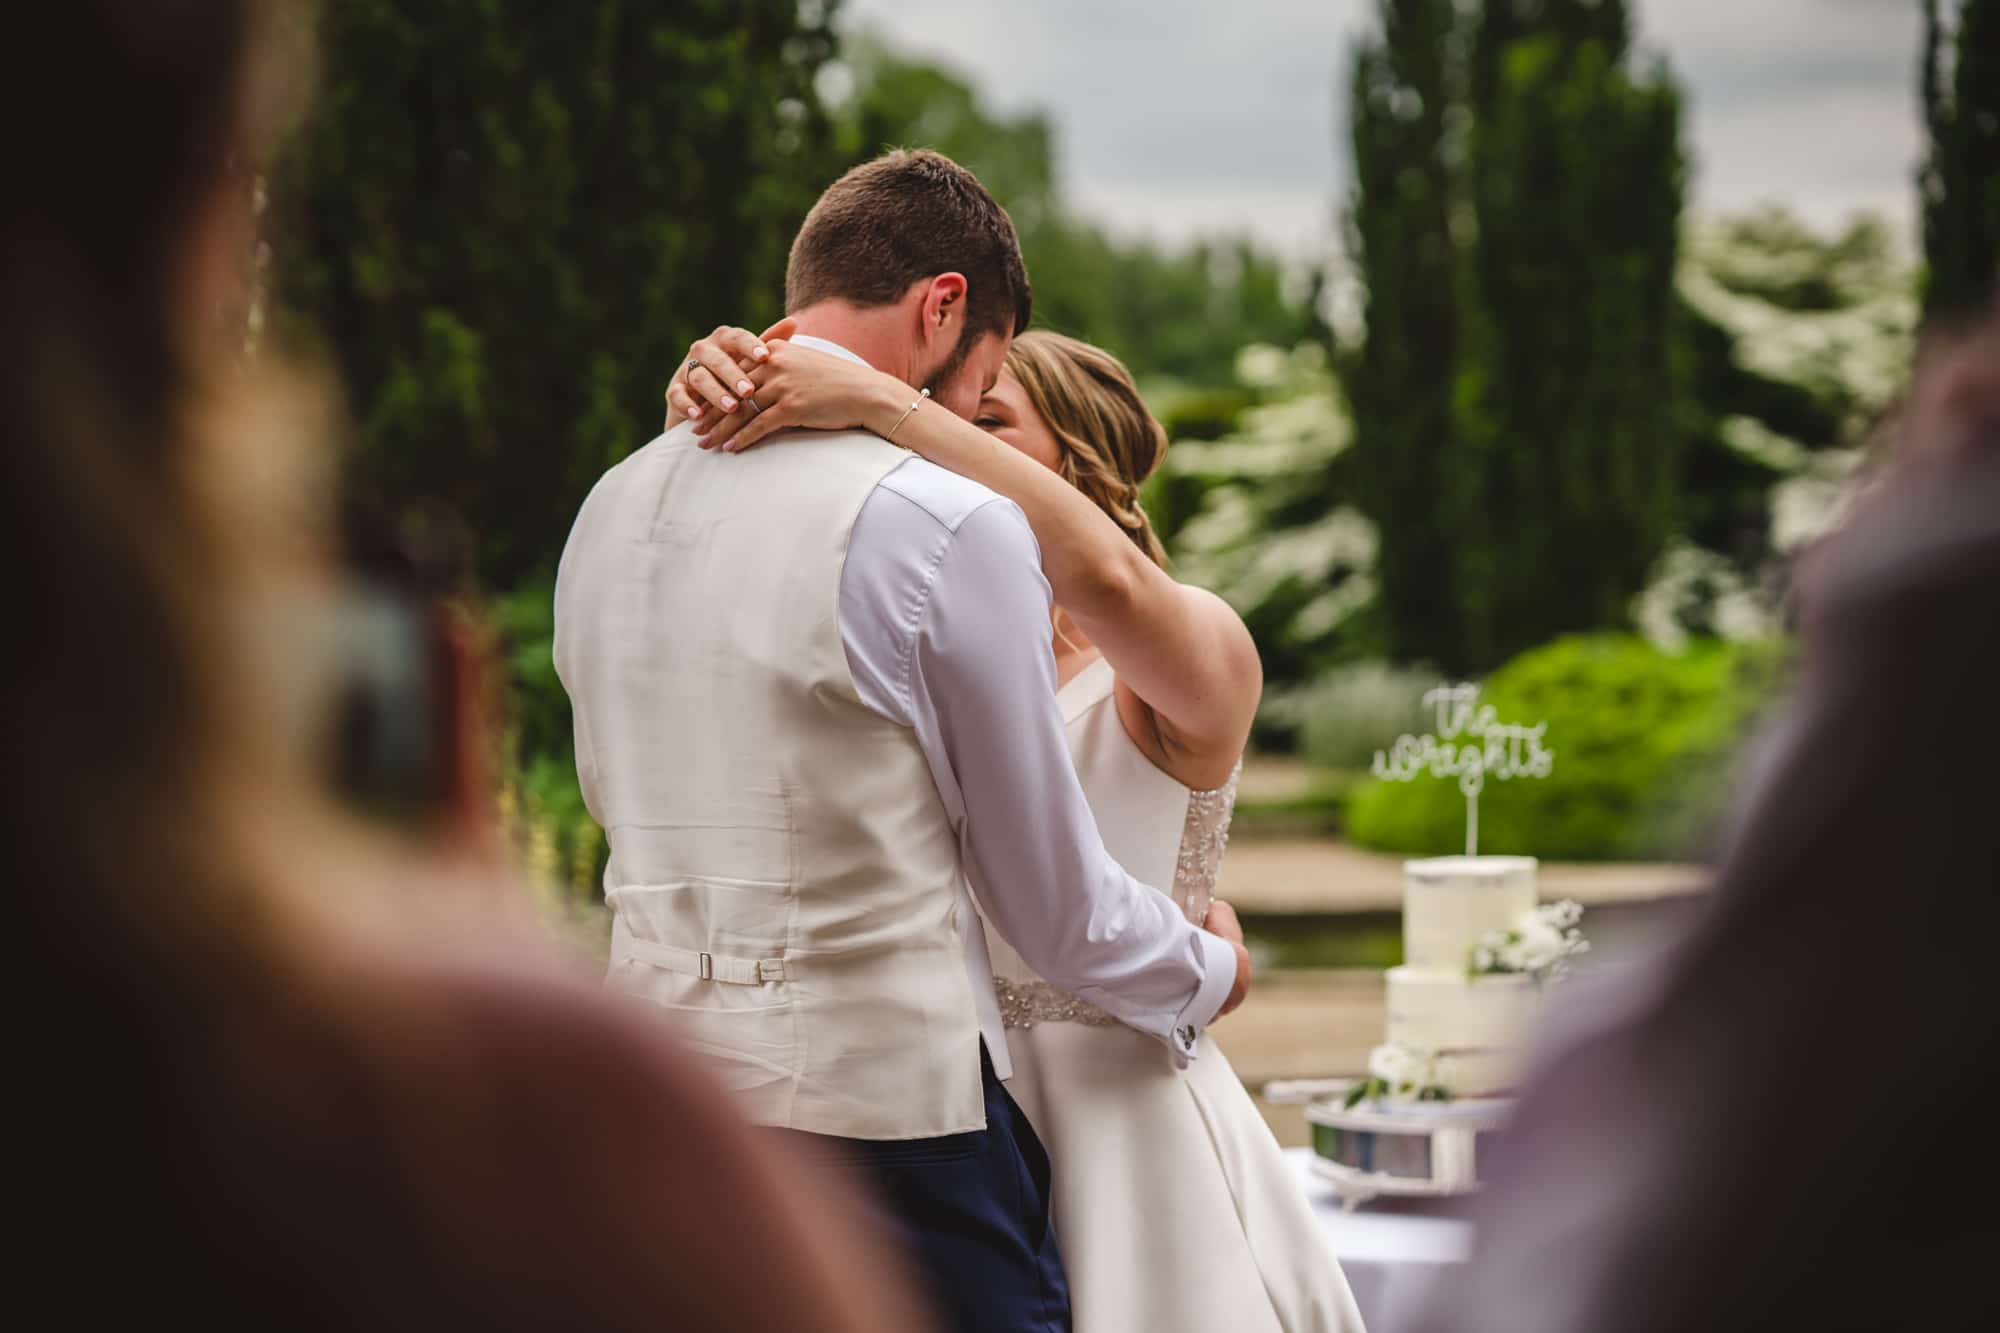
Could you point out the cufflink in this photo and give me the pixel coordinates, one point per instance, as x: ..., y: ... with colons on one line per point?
x: 1187, y: 1035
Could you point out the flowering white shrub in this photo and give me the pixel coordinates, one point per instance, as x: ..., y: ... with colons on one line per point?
x: 1831, y: 316
x: 1695, y: 591
x: 1836, y: 317
x: 1318, y: 568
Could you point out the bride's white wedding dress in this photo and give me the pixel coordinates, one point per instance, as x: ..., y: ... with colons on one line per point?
x: 1173, y: 1205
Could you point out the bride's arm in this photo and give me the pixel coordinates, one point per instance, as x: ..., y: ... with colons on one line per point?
x: 1182, y: 650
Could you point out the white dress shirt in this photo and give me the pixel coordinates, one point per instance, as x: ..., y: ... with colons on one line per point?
x: 944, y: 615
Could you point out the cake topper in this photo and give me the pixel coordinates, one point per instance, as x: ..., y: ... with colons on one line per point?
x: 1489, y: 748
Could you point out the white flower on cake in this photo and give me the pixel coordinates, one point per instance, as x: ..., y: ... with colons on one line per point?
x: 1540, y: 944
x: 1401, y: 1066
x: 1399, y: 1071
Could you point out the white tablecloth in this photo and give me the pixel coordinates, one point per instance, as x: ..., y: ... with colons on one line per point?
x: 1391, y: 1256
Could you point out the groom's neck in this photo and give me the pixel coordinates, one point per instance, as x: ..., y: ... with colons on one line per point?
x: 878, y: 335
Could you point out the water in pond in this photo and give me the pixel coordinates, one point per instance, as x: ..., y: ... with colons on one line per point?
x: 1374, y: 940
x: 1319, y: 940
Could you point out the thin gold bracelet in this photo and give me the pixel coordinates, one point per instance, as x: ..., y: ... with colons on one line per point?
x: 917, y: 402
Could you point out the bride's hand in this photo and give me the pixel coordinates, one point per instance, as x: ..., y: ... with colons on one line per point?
x: 789, y: 386
x: 714, y: 372
x: 1221, y: 920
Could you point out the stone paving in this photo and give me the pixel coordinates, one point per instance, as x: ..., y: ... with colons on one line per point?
x: 1303, y: 875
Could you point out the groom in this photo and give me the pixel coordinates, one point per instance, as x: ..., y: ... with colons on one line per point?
x: 815, y: 714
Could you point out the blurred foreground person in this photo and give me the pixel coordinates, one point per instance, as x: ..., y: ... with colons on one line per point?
x: 1781, y: 1125
x: 249, y: 1089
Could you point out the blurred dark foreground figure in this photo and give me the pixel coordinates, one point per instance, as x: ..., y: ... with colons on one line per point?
x: 272, y: 1067
x: 1786, y: 1123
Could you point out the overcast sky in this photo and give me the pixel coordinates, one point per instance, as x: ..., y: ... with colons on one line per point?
x: 1176, y: 118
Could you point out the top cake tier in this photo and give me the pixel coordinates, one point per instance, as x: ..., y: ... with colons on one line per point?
x: 1451, y: 903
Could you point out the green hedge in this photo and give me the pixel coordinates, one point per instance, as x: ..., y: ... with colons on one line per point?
x: 1644, y: 743
x: 561, y: 847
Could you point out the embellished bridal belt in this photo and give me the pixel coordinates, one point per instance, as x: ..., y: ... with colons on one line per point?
x: 1026, y: 1003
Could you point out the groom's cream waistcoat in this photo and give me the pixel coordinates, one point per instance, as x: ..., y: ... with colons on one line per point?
x: 783, y: 874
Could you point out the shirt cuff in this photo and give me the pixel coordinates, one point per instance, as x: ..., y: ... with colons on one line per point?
x: 1218, y: 979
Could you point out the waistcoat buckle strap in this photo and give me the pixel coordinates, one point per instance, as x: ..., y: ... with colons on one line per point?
x: 706, y: 966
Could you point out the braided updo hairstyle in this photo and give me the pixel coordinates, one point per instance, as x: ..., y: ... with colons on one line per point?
x: 1107, y: 442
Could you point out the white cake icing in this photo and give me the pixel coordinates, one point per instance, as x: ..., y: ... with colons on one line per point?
x: 1481, y: 1073
x: 1450, y: 903
x: 1471, y: 1029
x: 1444, y: 1011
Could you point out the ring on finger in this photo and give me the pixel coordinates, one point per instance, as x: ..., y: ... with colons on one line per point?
x: 688, y: 370
x: 751, y: 403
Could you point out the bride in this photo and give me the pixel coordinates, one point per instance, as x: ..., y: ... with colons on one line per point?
x: 1175, y: 1209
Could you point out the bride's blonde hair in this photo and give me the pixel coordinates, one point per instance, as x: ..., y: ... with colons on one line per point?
x: 1107, y: 443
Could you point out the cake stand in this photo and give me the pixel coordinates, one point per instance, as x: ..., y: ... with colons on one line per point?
x: 1414, y: 1149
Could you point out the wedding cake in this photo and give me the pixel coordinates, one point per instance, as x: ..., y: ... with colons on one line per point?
x: 1476, y: 950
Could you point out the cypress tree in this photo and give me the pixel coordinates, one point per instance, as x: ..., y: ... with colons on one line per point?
x: 1398, y: 383
x: 506, y: 220
x: 1568, y: 405
x: 1517, y: 398
x: 1960, y: 182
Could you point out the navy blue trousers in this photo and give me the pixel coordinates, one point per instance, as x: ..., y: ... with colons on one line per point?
x: 971, y: 1214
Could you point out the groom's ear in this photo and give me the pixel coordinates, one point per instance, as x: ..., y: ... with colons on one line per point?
x: 944, y: 306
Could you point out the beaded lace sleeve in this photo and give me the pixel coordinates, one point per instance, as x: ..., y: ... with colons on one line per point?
x: 1197, y: 868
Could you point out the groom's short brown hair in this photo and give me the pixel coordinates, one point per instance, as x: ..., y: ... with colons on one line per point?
x: 909, y: 215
